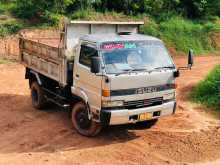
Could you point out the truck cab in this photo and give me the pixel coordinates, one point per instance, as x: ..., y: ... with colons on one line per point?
x: 111, y: 78
x: 134, y: 80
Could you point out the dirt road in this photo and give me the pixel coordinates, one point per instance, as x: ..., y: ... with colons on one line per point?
x: 28, y: 136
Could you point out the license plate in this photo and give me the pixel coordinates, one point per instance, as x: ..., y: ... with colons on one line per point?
x: 145, y: 116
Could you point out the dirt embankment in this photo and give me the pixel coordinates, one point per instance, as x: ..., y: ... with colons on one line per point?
x: 29, y: 136
x: 9, y: 46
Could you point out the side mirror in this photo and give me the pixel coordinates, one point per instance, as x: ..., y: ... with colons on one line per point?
x: 190, y: 59
x: 95, y: 64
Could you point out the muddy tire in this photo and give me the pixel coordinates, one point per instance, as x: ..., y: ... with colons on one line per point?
x: 37, y: 96
x: 81, y: 123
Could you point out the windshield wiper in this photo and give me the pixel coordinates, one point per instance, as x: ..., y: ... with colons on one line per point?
x: 134, y: 70
x: 165, y: 67
x: 130, y: 70
x: 139, y: 69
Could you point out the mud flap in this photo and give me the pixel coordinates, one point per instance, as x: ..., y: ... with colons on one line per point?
x: 105, y: 118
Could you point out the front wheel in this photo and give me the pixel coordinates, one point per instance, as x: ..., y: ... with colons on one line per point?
x: 81, y: 122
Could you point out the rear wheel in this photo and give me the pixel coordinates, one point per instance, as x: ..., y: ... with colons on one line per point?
x: 37, y: 96
x: 81, y: 121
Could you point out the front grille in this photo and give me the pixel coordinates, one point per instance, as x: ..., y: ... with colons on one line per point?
x: 143, y: 90
x: 143, y: 103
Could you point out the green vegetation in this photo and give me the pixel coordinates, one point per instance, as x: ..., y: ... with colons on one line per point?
x: 182, y: 24
x: 92, y: 15
x: 208, y: 91
x: 190, y: 9
x: 6, y: 7
x: 8, y: 24
x: 184, y: 34
x: 10, y: 28
x: 4, y: 61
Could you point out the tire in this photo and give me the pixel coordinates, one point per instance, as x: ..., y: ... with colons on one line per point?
x: 37, y: 96
x: 81, y: 123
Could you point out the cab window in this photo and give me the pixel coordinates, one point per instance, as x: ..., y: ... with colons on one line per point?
x: 85, y: 55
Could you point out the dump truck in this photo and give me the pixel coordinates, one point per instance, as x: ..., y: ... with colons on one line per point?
x: 105, y: 73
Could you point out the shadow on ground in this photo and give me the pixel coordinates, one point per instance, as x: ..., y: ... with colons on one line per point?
x: 25, y: 129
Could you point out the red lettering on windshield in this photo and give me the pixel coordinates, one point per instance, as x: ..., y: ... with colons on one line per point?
x: 113, y: 46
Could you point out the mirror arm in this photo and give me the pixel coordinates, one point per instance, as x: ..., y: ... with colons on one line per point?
x: 101, y: 73
x: 98, y: 74
x: 185, y: 68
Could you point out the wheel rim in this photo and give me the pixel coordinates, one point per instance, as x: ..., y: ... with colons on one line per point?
x: 34, y: 95
x: 82, y: 118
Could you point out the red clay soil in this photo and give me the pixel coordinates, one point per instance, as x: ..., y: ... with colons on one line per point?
x: 29, y: 136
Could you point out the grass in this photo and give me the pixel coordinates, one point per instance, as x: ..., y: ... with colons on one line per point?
x: 92, y: 15
x: 184, y: 34
x: 208, y: 91
x: 4, y: 61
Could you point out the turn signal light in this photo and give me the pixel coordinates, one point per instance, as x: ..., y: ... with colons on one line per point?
x: 106, y: 93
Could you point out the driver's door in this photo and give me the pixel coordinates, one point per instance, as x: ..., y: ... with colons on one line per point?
x: 88, y: 82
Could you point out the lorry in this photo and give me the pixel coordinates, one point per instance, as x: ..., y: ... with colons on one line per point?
x: 106, y: 73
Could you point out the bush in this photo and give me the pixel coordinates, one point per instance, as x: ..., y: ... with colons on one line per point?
x: 5, y: 7
x: 151, y: 28
x: 31, y: 8
x: 51, y: 19
x: 208, y: 91
x: 10, y: 28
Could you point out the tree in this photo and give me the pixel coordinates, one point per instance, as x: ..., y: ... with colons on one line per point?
x: 158, y: 8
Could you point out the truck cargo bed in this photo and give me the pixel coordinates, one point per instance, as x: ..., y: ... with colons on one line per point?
x: 41, y: 56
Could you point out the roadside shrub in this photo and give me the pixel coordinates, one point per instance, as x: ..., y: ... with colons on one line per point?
x: 151, y: 28
x: 208, y: 91
x: 10, y: 28
x: 186, y: 34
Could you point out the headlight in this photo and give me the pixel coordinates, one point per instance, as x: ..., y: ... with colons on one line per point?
x: 112, y: 103
x: 169, y: 96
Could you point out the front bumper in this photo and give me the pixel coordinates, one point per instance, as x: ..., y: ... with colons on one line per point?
x: 125, y: 116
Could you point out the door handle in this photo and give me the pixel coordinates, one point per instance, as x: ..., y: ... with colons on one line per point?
x: 77, y: 75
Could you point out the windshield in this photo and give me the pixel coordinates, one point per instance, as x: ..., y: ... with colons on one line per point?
x: 135, y: 56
